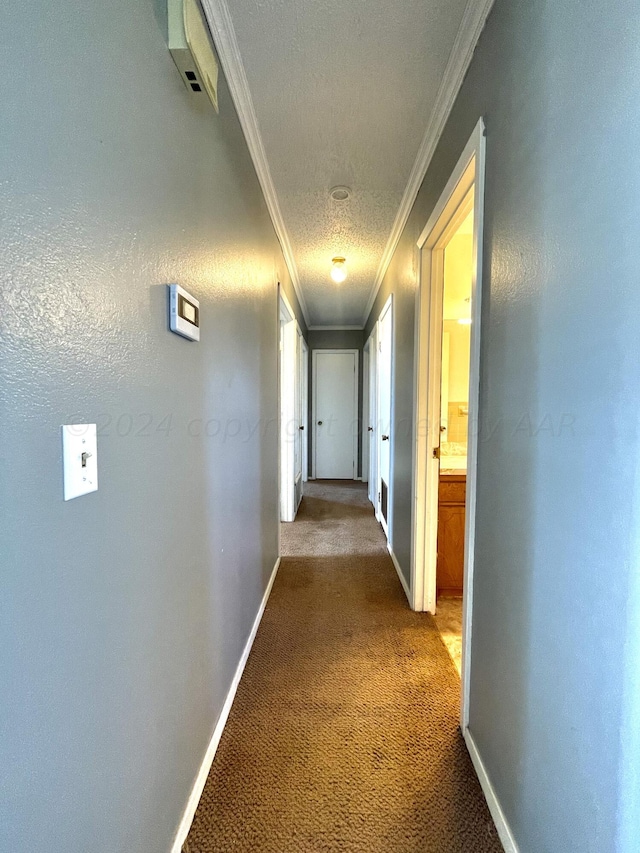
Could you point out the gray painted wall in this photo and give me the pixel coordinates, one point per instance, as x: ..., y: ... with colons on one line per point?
x: 124, y: 613
x: 555, y: 645
x: 336, y: 339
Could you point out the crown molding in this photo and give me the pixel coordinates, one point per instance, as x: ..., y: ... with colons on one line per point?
x: 335, y: 328
x: 471, y: 26
x: 224, y: 38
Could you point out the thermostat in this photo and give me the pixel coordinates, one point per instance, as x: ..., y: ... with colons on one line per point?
x: 184, y: 313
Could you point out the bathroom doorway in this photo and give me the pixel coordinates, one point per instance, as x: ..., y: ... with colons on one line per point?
x: 455, y: 354
x: 447, y: 377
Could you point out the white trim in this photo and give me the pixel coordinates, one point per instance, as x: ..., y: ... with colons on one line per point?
x: 474, y: 414
x: 386, y: 523
x: 314, y: 386
x: 289, y: 313
x: 288, y: 338
x: 470, y: 151
x: 364, y: 421
x: 226, y: 43
x: 305, y: 411
x: 372, y: 416
x: 335, y: 328
x: 504, y: 831
x: 453, y: 203
x: 207, y: 761
x: 395, y: 562
x: 279, y: 305
x: 471, y: 26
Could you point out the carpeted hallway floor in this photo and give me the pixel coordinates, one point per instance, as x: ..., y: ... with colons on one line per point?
x: 343, y: 737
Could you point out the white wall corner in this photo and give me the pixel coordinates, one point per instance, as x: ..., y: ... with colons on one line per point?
x: 471, y: 26
x: 207, y: 761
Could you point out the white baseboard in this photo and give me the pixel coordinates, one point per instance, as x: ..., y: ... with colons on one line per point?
x: 395, y: 562
x: 205, y: 767
x: 504, y: 832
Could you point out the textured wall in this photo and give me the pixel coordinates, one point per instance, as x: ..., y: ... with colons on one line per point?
x: 336, y: 339
x: 123, y: 614
x: 554, y: 654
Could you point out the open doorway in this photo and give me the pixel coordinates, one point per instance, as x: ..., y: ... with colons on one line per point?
x: 447, y: 380
x: 454, y: 432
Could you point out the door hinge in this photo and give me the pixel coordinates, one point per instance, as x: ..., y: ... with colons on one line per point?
x: 436, y: 453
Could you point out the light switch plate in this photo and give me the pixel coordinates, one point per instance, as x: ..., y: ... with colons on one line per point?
x: 79, y: 459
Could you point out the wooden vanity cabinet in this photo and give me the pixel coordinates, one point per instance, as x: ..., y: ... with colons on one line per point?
x: 451, y: 511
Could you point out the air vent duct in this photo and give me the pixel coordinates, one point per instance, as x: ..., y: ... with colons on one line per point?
x: 191, y: 48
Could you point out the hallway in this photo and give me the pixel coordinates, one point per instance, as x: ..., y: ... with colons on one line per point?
x: 343, y: 735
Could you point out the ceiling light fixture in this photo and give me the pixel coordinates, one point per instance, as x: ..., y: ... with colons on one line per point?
x: 340, y: 193
x: 338, y: 269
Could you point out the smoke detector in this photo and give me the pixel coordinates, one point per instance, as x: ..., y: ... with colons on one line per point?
x: 340, y: 193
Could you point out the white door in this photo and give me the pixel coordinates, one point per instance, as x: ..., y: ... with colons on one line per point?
x: 365, y: 414
x: 304, y: 415
x: 335, y: 397
x: 385, y: 344
x: 372, y: 421
x: 297, y: 426
x: 287, y: 390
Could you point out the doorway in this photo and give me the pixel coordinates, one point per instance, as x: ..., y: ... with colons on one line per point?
x: 447, y: 383
x: 335, y: 414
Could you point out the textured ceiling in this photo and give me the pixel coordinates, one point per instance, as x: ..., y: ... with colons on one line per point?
x: 343, y: 91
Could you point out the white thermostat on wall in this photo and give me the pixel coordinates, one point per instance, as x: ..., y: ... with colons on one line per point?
x: 184, y: 313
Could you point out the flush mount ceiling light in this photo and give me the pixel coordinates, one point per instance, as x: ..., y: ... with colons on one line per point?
x: 338, y: 269
x: 340, y: 193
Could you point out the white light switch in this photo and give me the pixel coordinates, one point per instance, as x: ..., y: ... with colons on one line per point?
x: 79, y: 459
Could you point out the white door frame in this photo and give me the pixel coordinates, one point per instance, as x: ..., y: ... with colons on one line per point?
x: 297, y: 427
x: 387, y: 524
x: 371, y: 418
x: 314, y: 386
x: 364, y: 426
x: 304, y: 375
x: 288, y: 338
x: 468, y: 176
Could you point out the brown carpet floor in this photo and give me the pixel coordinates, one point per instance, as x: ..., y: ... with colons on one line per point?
x: 343, y: 737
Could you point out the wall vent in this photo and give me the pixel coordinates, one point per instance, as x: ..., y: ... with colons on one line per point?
x: 192, y: 49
